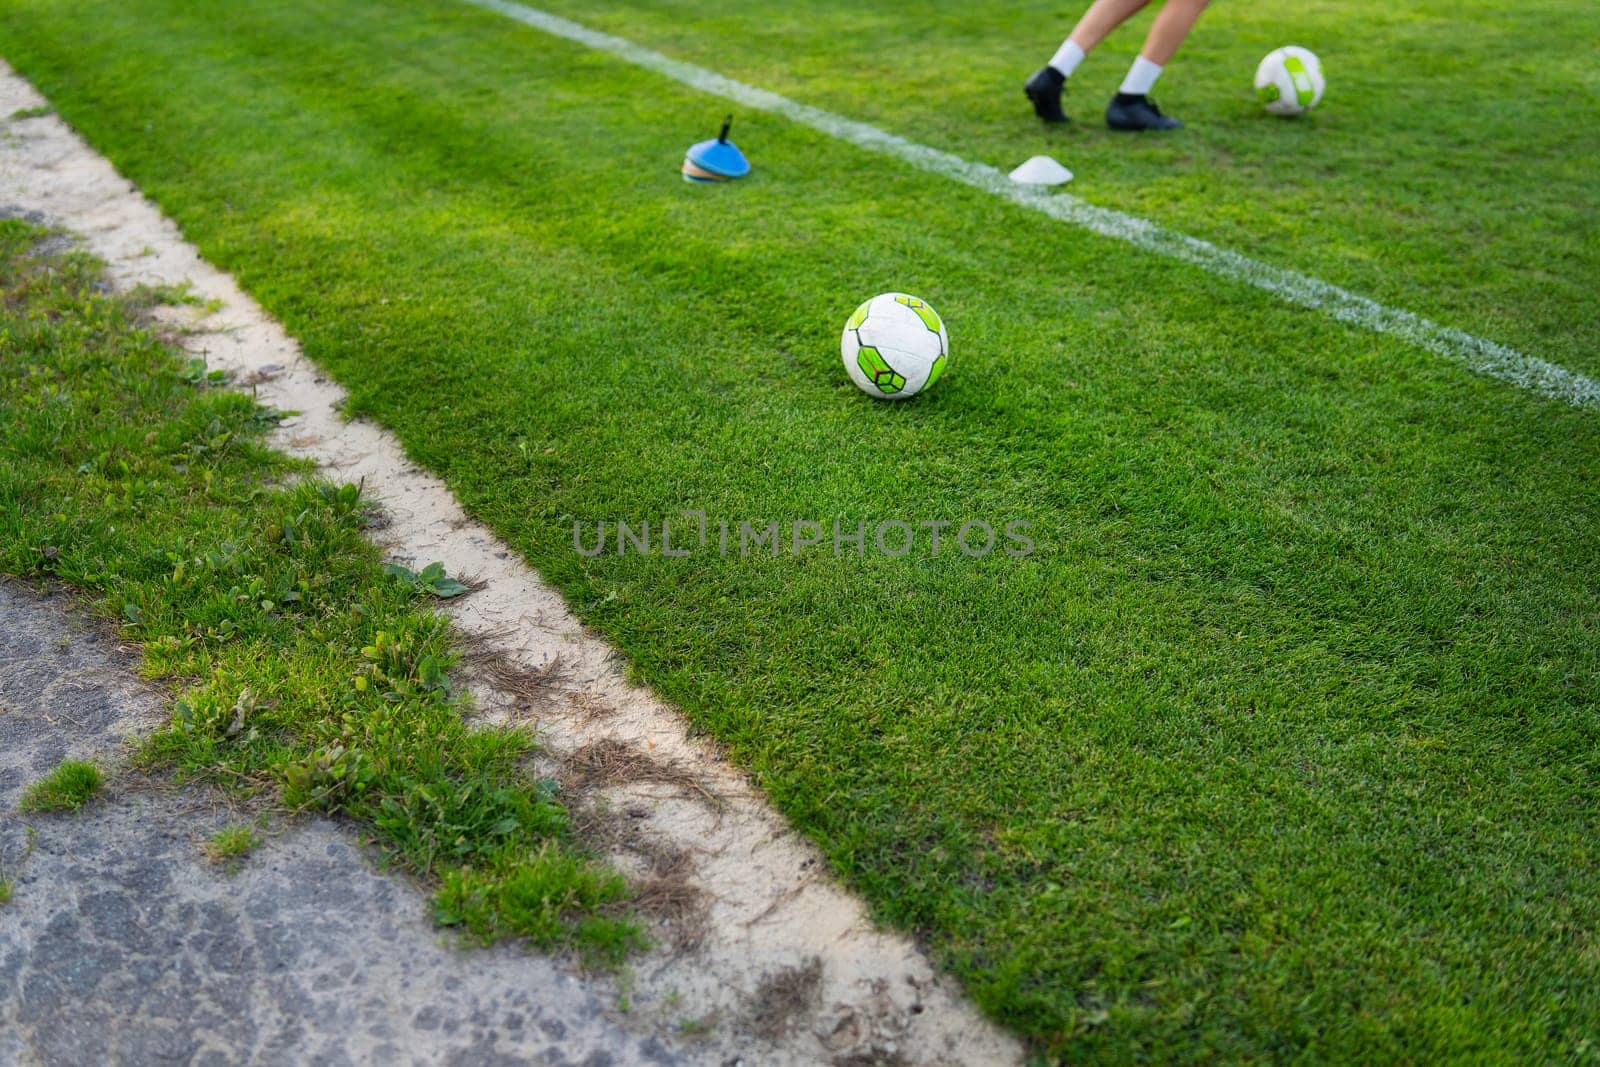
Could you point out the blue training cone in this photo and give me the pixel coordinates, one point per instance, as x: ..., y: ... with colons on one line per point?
x: 720, y: 157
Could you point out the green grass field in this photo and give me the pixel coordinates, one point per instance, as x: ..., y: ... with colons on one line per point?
x: 1285, y: 742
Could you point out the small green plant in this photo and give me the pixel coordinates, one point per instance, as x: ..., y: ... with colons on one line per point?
x: 231, y: 844
x: 32, y: 112
x: 198, y: 372
x: 67, y: 788
x: 5, y: 890
x: 431, y: 579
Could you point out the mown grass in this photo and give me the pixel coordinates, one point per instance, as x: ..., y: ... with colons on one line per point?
x: 305, y: 672
x: 1447, y: 173
x: 1284, y: 742
x: 67, y: 788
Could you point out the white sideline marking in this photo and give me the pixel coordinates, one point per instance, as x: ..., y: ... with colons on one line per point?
x: 1485, y: 357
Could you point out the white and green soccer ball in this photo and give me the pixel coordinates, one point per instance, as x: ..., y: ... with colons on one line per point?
x: 1289, y: 81
x: 894, y: 346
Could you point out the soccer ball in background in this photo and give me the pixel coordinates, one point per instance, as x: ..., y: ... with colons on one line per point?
x: 1289, y: 81
x: 894, y: 346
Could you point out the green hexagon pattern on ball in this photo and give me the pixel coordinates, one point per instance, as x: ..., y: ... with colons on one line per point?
x: 894, y: 346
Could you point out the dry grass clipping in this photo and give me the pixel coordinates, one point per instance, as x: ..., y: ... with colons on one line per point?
x: 783, y: 996
x: 484, y: 656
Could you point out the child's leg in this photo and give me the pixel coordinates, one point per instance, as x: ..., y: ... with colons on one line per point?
x: 1177, y: 18
x: 1103, y: 16
x: 1131, y: 108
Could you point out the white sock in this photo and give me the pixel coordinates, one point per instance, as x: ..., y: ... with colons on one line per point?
x: 1067, y: 58
x: 1141, y: 77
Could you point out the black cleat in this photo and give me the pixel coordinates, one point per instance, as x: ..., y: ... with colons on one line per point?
x: 1128, y: 111
x: 1044, y: 89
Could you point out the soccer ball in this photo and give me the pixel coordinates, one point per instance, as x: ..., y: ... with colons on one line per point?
x: 894, y: 346
x: 1289, y: 81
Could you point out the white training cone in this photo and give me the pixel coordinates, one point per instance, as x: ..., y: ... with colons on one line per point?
x: 1041, y: 170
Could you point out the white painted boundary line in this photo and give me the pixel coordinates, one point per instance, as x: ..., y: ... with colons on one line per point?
x: 1485, y: 357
